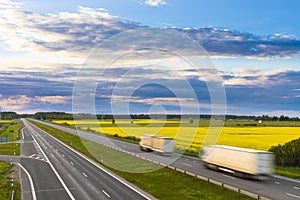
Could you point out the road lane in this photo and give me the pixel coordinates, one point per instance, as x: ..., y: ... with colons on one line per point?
x: 88, y: 186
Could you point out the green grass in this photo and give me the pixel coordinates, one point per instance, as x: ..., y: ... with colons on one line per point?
x: 3, y: 126
x: 163, y: 183
x: 12, y: 131
x: 5, y: 182
x: 293, y: 172
x: 9, y: 149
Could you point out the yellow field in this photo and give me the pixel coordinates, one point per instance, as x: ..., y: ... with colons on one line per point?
x: 6, y: 121
x: 251, y: 137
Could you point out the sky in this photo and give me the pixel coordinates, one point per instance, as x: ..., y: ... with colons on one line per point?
x: 147, y: 56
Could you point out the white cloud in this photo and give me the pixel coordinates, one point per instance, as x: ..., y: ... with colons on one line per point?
x: 155, y: 3
x: 8, y: 4
x: 20, y: 102
x: 255, y: 77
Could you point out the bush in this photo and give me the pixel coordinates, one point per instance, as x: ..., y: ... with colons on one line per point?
x: 288, y: 154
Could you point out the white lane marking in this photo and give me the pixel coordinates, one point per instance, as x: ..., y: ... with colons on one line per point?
x: 99, y: 167
x: 287, y: 179
x: 296, y: 188
x: 30, y: 181
x: 71, y: 163
x: 22, y: 133
x: 33, y: 155
x: 84, y: 174
x: 229, y: 176
x: 63, y: 155
x: 54, y: 170
x: 187, y: 164
x: 106, y: 193
x: 292, y: 195
x: 277, y: 183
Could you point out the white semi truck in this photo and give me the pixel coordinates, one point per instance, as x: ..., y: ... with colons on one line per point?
x: 242, y: 162
x: 157, y: 143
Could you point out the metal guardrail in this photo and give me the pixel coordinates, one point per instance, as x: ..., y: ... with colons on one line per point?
x: 4, y: 139
x: 209, y: 180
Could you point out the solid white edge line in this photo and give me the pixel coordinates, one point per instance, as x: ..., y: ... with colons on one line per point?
x: 98, y: 166
x: 285, y: 178
x: 22, y: 133
x: 54, y: 170
x: 292, y: 195
x: 30, y: 181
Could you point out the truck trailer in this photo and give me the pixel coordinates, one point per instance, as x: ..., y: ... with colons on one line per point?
x: 242, y: 162
x: 157, y: 143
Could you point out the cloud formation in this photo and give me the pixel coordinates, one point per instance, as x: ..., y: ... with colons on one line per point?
x: 155, y: 3
x: 8, y: 4
x: 24, y: 102
x: 48, y: 84
x: 81, y: 31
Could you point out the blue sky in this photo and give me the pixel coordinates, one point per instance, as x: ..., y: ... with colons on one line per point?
x: 255, y: 47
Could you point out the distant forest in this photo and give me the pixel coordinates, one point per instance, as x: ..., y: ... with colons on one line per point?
x: 69, y: 116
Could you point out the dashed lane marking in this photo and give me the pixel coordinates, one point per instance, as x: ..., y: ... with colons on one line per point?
x: 84, y: 174
x: 105, y: 193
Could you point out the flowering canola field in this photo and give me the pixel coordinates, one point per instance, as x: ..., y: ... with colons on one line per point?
x: 189, y: 136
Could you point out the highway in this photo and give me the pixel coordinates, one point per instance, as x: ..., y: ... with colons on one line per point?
x: 275, y: 188
x: 55, y: 171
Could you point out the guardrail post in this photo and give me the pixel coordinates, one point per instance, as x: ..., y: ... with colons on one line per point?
x: 239, y: 191
x: 258, y: 197
x: 222, y: 185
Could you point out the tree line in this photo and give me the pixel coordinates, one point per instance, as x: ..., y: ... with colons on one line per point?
x: 287, y: 155
x: 69, y: 116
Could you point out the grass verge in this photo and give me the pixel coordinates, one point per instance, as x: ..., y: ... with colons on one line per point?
x: 6, y: 188
x: 12, y: 131
x: 292, y: 172
x: 163, y: 183
x: 10, y: 148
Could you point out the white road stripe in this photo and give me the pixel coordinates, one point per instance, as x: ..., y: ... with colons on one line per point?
x: 106, y: 193
x: 30, y: 181
x: 22, y: 133
x: 296, y: 188
x: 285, y: 178
x: 54, y: 170
x: 84, y: 174
x: 71, y: 163
x: 99, y: 167
x: 292, y: 195
x: 187, y: 164
x: 277, y: 183
x: 229, y: 176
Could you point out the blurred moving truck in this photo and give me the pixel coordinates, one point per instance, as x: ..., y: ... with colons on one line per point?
x: 242, y: 162
x: 156, y: 143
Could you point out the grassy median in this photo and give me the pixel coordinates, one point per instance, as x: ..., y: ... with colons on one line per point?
x: 6, y: 174
x: 293, y: 172
x: 163, y: 183
x: 12, y: 131
x: 10, y: 149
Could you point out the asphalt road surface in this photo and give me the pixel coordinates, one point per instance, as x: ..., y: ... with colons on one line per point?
x: 276, y: 187
x: 52, y: 170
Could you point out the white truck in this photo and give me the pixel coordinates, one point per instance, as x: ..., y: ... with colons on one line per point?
x: 242, y: 162
x: 157, y: 143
